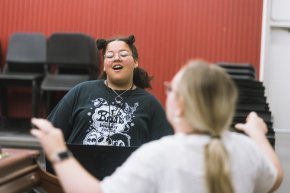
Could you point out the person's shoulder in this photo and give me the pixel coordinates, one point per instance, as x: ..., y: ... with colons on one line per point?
x: 157, y: 147
x: 88, y: 84
x: 91, y: 82
x: 241, y: 141
x: 146, y: 96
x: 141, y: 91
x: 235, y: 136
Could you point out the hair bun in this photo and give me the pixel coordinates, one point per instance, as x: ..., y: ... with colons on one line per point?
x: 131, y: 39
x: 101, y: 43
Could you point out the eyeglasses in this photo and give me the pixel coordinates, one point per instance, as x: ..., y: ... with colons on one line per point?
x: 122, y: 54
x: 168, y: 87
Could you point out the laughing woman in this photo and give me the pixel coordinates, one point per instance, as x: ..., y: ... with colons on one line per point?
x: 115, y: 110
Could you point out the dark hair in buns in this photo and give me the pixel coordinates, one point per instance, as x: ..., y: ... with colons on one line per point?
x: 140, y: 77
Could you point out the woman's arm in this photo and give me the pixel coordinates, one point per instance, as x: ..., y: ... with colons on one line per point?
x: 256, y: 129
x: 73, y: 177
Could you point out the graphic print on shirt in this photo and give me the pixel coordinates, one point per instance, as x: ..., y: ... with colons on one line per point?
x: 110, y: 123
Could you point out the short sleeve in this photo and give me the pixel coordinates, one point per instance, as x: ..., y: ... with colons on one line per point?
x: 61, y: 114
x: 267, y: 174
x: 159, y: 125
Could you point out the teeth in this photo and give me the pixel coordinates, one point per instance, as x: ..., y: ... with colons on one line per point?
x: 117, y: 67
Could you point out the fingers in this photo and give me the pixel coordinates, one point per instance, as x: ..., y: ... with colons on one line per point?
x: 37, y: 133
x: 254, y: 125
x: 240, y: 126
x: 43, y: 128
x: 252, y: 115
x: 50, y: 138
x: 42, y: 124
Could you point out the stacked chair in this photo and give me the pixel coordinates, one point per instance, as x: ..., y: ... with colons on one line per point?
x: 24, y: 67
x: 71, y: 58
x: 0, y: 55
x: 251, y: 96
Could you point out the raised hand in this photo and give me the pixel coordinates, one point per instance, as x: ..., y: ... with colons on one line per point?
x: 50, y: 137
x: 254, y: 125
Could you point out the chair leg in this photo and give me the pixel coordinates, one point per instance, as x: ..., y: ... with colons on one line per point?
x: 3, y: 106
x: 34, y: 99
x: 3, y: 99
x: 48, y: 103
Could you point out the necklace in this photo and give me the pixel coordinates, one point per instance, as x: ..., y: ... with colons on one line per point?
x: 119, y: 98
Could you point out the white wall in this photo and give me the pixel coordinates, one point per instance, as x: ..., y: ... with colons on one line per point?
x: 275, y: 61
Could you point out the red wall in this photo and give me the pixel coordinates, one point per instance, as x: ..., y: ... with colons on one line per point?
x: 168, y: 32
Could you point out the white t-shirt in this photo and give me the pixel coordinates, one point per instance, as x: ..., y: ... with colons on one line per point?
x: 175, y: 164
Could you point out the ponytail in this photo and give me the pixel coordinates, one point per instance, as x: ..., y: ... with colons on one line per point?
x: 210, y: 96
x: 141, y: 78
x: 217, y: 166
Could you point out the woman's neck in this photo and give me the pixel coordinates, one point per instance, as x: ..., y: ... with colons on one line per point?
x: 185, y: 128
x: 182, y: 127
x: 126, y: 86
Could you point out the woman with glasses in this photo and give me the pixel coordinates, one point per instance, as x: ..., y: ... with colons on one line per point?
x: 115, y: 110
x: 203, y: 156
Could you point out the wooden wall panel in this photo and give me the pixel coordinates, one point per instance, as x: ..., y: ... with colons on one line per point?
x: 168, y: 32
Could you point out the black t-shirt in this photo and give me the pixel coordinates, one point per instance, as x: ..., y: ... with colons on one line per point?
x: 90, y: 115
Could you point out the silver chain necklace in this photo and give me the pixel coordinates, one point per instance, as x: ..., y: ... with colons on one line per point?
x: 118, y: 98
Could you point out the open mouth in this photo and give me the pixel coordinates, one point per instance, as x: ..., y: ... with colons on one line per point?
x: 117, y: 67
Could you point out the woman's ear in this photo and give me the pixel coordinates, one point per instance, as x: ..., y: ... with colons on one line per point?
x: 136, y: 64
x: 180, y: 103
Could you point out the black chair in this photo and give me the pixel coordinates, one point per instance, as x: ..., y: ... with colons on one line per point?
x: 0, y: 56
x: 24, y: 67
x: 251, y: 96
x: 239, y: 70
x: 71, y: 59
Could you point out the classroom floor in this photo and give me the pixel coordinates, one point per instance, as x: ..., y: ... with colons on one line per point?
x: 16, y: 135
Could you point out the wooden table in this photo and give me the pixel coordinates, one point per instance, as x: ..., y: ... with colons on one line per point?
x: 19, y: 172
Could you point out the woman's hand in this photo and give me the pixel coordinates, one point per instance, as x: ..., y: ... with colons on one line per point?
x: 254, y: 126
x: 50, y: 137
x: 256, y: 129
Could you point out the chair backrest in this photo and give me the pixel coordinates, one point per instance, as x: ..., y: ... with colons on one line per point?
x: 28, y: 49
x: 239, y: 70
x: 0, y: 56
x: 72, y: 53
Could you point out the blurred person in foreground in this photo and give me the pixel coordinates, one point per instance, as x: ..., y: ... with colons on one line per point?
x: 202, y: 156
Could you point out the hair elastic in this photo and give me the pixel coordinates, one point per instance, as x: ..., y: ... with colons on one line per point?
x: 215, y: 136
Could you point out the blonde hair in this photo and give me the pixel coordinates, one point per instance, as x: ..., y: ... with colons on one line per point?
x: 210, y: 96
